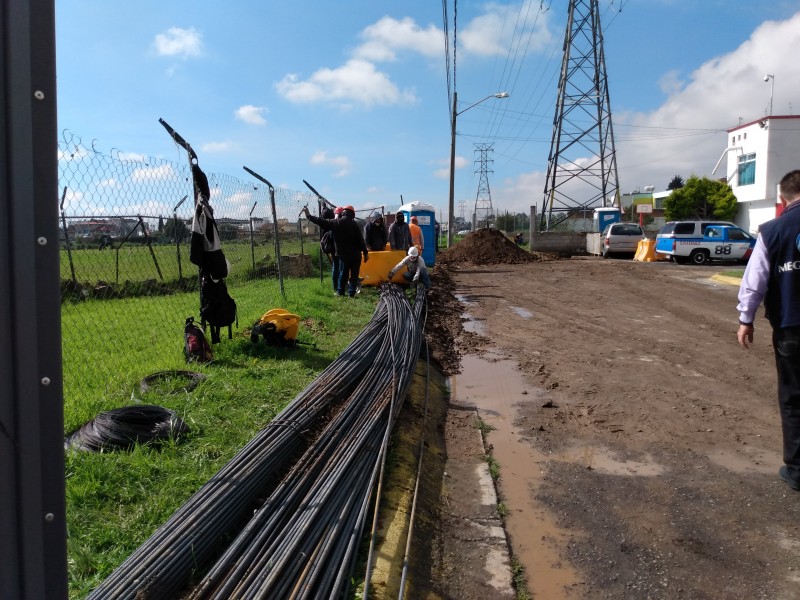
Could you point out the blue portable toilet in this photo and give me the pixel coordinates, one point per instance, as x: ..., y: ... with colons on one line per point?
x: 425, y: 214
x: 604, y: 216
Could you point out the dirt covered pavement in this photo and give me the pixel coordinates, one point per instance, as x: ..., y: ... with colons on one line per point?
x: 637, y: 444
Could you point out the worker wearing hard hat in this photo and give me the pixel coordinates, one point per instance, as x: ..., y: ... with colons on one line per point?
x: 416, y: 271
x: 349, y: 246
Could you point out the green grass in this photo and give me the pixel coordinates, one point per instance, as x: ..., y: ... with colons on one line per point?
x: 733, y: 273
x: 134, y: 262
x: 115, y: 500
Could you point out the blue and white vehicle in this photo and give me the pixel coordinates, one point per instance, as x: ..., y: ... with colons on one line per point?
x: 699, y: 242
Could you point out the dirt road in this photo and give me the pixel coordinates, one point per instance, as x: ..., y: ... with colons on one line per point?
x: 637, y: 444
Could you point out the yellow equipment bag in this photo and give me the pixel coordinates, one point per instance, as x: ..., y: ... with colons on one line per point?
x: 279, y: 327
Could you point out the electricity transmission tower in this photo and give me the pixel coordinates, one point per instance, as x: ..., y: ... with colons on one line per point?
x: 484, y: 215
x: 582, y: 166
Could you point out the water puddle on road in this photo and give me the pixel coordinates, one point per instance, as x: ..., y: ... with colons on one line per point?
x: 525, y: 314
x: 493, y: 384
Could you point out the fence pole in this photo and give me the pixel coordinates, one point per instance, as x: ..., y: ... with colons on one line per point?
x: 150, y: 245
x: 252, y: 241
x: 300, y: 231
x: 319, y: 212
x: 178, y: 237
x: 33, y: 548
x: 274, y: 225
x: 66, y: 239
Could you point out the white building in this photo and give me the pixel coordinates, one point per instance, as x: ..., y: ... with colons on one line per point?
x: 760, y: 153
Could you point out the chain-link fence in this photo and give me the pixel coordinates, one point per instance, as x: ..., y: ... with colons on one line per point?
x: 126, y: 281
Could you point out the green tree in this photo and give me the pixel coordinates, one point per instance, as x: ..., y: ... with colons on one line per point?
x: 676, y: 183
x: 512, y: 222
x: 175, y: 230
x: 701, y: 199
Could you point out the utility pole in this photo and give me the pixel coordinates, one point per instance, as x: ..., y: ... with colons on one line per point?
x: 582, y: 166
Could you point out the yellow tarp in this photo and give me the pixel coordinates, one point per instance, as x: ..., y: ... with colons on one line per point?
x: 646, y: 252
x: 375, y: 270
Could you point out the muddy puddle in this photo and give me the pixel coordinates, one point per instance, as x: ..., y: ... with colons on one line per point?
x: 493, y: 385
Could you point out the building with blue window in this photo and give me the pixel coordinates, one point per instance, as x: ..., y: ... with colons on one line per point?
x: 759, y: 154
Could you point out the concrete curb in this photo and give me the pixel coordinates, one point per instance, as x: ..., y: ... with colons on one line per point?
x: 727, y: 280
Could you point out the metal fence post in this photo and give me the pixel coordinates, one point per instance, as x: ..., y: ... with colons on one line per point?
x: 33, y: 551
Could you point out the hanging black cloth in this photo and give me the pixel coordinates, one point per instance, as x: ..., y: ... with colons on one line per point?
x: 217, y: 308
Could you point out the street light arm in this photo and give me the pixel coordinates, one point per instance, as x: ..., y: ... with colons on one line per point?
x: 497, y: 95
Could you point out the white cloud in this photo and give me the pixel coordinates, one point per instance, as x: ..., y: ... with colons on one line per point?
x: 670, y: 82
x: 444, y: 172
x: 157, y: 173
x: 182, y: 43
x: 250, y: 114
x: 77, y: 154
x: 218, y: 147
x: 384, y: 38
x: 131, y: 156
x: 490, y: 33
x: 340, y: 162
x: 355, y: 82
x: 108, y: 183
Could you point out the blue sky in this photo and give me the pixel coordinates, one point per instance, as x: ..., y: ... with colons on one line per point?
x: 352, y: 96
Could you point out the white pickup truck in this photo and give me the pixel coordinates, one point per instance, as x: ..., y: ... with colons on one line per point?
x: 716, y: 242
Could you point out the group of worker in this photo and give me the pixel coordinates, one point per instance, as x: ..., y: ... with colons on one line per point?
x: 350, y: 244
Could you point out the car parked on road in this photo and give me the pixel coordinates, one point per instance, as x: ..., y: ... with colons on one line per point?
x: 620, y: 238
x: 700, y: 242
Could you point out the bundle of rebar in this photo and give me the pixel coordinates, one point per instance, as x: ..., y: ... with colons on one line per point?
x: 301, y: 541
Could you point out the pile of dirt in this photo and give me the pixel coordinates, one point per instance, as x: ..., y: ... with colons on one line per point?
x: 487, y: 247
x: 443, y: 324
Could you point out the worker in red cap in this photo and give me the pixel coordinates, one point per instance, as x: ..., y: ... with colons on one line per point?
x: 350, y: 246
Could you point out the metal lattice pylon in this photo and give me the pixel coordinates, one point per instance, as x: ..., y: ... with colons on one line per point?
x: 582, y: 166
x: 484, y: 214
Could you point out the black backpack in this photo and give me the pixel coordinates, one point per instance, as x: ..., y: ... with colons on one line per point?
x: 217, y: 308
x: 195, y: 346
x: 327, y: 244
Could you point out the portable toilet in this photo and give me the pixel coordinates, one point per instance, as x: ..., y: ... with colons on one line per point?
x: 425, y: 214
x: 605, y: 215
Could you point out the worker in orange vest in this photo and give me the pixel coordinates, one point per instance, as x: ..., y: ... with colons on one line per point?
x: 416, y: 234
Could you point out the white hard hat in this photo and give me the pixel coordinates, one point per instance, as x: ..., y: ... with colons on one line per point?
x: 413, y: 251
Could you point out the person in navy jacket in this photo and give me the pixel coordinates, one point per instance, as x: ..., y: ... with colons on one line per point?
x: 773, y: 276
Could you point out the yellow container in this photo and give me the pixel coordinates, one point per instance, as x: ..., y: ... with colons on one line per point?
x: 283, y: 321
x: 375, y: 270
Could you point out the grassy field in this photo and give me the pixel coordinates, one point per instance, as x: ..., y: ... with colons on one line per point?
x: 134, y: 262
x: 115, y: 500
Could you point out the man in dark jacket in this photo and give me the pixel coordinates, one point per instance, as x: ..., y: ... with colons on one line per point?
x: 349, y: 246
x: 375, y: 232
x: 772, y: 276
x: 399, y: 234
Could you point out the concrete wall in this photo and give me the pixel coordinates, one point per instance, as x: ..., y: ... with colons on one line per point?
x: 561, y: 243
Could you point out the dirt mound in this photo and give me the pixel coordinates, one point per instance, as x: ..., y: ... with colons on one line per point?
x: 443, y: 325
x: 487, y: 247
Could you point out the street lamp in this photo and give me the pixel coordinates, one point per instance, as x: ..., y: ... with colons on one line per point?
x: 769, y: 77
x: 450, y: 219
